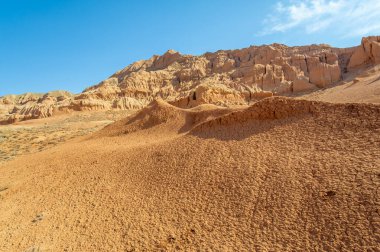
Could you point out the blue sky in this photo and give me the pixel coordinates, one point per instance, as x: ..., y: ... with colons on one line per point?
x: 66, y: 44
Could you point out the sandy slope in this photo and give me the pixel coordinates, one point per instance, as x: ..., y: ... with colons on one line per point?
x: 364, y: 88
x: 282, y: 175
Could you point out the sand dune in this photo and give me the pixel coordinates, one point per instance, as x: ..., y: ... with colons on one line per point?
x: 166, y: 119
x: 281, y: 175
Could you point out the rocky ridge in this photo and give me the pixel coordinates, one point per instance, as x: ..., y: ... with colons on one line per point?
x: 225, y: 78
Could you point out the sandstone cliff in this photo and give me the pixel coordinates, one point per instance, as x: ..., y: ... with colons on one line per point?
x: 225, y: 77
x: 367, y: 53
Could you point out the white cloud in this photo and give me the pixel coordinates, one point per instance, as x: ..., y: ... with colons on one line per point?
x: 344, y: 17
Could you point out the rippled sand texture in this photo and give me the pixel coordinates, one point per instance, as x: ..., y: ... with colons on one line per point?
x: 281, y: 175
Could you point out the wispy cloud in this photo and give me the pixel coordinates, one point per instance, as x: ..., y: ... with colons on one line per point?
x: 345, y: 17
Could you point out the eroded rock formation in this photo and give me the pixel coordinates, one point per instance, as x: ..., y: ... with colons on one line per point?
x: 367, y: 53
x: 226, y: 77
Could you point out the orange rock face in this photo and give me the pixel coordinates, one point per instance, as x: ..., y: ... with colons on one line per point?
x: 367, y: 53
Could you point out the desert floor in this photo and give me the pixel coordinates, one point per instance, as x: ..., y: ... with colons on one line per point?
x: 282, y: 175
x: 37, y: 135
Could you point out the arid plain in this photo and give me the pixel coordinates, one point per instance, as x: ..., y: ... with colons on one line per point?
x: 292, y: 171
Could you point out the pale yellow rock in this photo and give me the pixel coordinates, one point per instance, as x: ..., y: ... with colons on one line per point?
x: 127, y: 103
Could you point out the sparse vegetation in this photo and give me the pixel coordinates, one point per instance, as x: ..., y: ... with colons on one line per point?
x: 38, y: 135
